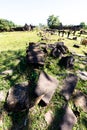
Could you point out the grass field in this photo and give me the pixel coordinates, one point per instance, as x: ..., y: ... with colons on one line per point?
x: 16, y: 40
x: 12, y: 57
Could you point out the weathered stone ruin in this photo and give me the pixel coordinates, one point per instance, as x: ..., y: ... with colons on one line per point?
x: 84, y: 42
x: 82, y: 75
x: 18, y: 98
x: 46, y: 85
x: 76, y: 46
x: 69, y: 119
x: 80, y: 100
x: 69, y: 85
x: 74, y: 38
x: 35, y: 55
x: 36, y: 52
x: 67, y: 62
x: 59, y: 50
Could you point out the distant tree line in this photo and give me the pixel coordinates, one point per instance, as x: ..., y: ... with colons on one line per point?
x: 6, y: 25
x: 53, y: 22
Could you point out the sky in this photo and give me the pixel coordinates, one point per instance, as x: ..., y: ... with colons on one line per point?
x: 38, y: 11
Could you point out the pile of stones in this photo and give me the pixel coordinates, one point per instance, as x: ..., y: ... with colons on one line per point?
x: 18, y: 96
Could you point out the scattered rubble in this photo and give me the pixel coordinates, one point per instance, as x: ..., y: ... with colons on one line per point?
x: 67, y: 62
x: 80, y: 100
x: 18, y: 97
x: 69, y: 119
x: 46, y: 85
x: 82, y: 75
x: 35, y: 55
x: 59, y: 50
x: 74, y: 38
x: 69, y: 85
x: 76, y: 46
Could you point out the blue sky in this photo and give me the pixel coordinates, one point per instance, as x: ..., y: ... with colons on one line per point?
x: 37, y: 11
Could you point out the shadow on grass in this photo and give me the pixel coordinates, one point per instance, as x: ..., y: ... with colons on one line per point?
x: 20, y: 120
x: 84, y: 121
x: 8, y: 59
x: 16, y: 61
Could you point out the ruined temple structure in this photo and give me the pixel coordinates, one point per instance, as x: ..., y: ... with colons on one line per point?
x: 59, y: 50
x: 26, y: 27
x: 67, y: 62
x: 35, y: 55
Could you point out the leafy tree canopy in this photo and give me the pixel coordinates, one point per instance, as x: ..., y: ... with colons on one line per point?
x: 53, y: 21
x: 82, y: 24
x: 6, y: 25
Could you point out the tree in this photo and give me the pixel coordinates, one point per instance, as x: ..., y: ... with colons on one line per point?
x: 53, y: 21
x: 82, y: 24
x: 6, y: 25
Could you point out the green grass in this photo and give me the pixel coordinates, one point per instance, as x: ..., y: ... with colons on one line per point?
x: 12, y: 56
x: 16, y: 40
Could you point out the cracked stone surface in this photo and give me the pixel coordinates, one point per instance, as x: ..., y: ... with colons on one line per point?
x: 80, y: 100
x: 69, y: 86
x: 35, y: 55
x: 68, y: 120
x: 18, y: 97
x: 46, y: 85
